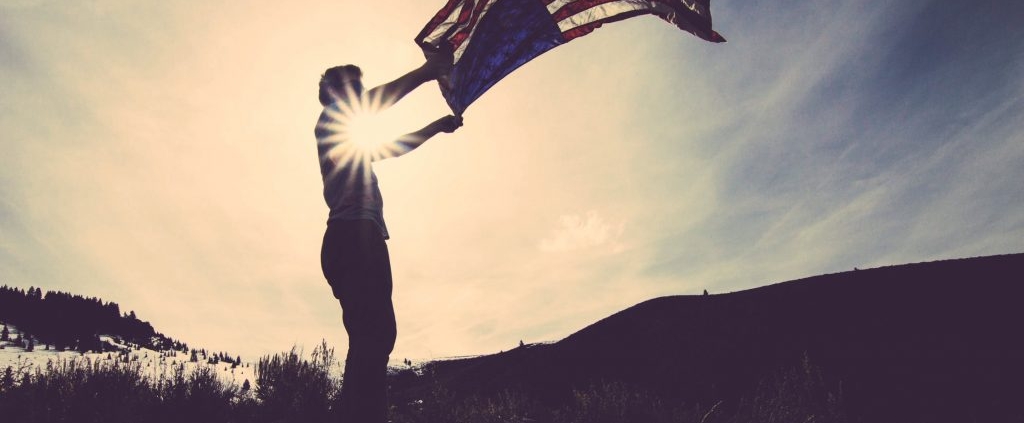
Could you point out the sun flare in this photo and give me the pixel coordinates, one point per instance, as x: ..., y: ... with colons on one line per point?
x: 359, y: 131
x: 368, y: 132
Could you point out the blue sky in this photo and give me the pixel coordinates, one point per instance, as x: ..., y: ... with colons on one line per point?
x: 161, y: 155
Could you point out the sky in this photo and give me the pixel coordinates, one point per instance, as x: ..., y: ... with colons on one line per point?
x: 161, y: 155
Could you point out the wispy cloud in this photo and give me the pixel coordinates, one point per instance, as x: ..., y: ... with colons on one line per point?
x: 578, y: 232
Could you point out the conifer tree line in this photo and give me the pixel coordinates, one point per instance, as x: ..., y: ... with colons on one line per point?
x: 74, y: 322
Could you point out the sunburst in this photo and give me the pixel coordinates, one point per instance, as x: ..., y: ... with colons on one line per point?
x: 356, y: 130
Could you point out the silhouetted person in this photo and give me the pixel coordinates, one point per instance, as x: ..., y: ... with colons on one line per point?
x: 354, y: 255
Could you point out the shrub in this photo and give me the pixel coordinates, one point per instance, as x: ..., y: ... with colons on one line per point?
x: 290, y: 388
x: 796, y: 394
x: 613, y: 402
x: 78, y: 390
x: 82, y: 390
x: 441, y: 406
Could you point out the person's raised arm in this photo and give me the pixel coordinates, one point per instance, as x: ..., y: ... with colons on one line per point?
x: 410, y: 141
x: 436, y: 66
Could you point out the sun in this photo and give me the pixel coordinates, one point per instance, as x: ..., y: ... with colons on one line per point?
x: 369, y: 132
x: 359, y: 131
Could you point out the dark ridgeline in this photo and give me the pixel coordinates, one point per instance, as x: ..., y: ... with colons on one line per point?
x: 75, y: 322
x: 937, y: 341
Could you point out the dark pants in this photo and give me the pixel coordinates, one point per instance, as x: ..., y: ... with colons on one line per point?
x: 355, y: 262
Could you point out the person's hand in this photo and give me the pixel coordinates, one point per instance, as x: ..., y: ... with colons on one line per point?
x: 448, y: 124
x: 439, y: 63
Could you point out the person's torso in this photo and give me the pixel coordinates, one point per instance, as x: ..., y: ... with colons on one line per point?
x: 351, y: 189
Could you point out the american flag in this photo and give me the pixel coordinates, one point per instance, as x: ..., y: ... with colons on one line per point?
x: 491, y: 38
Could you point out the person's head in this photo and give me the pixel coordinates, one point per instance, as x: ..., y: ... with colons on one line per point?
x: 338, y: 82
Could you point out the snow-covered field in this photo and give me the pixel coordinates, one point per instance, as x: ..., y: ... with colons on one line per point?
x: 155, y: 364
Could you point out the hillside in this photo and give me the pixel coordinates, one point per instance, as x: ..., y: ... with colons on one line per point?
x: 933, y: 341
x: 69, y: 321
x: 37, y: 327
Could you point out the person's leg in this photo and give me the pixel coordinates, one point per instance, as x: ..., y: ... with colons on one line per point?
x: 363, y: 287
x: 371, y: 338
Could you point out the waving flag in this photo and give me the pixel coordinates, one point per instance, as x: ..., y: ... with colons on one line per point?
x: 491, y: 38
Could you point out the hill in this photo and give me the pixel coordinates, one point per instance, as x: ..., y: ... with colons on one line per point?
x: 932, y: 341
x: 40, y: 330
x: 69, y: 321
x: 34, y: 326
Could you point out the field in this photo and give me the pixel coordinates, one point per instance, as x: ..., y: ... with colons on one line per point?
x: 291, y: 388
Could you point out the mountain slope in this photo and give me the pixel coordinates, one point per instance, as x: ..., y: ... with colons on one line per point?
x: 923, y: 342
x: 70, y: 321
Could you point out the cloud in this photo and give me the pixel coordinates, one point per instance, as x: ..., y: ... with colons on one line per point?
x: 583, y: 231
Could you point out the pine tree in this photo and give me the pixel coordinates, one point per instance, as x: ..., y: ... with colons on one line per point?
x: 5, y: 335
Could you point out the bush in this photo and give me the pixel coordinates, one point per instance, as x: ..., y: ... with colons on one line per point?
x: 290, y: 388
x: 82, y: 390
x: 77, y: 390
x: 614, y: 403
x: 795, y: 394
x: 196, y: 396
x: 441, y: 406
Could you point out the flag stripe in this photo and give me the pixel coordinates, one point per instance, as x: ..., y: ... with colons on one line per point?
x: 575, y: 7
x: 459, y: 39
x: 554, y: 5
x: 584, y: 29
x: 560, y: 9
x: 435, y: 29
x: 606, y: 11
x: 468, y: 27
x: 461, y: 22
x: 465, y: 15
x: 689, y: 15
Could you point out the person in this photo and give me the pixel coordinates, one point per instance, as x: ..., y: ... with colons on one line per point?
x: 354, y: 255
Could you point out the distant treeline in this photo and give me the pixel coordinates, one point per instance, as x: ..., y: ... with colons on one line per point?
x: 75, y: 322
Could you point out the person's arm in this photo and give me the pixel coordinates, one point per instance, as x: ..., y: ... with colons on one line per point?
x: 411, y: 141
x: 437, y: 65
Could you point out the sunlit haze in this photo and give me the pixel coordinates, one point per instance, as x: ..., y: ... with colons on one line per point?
x: 162, y: 155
